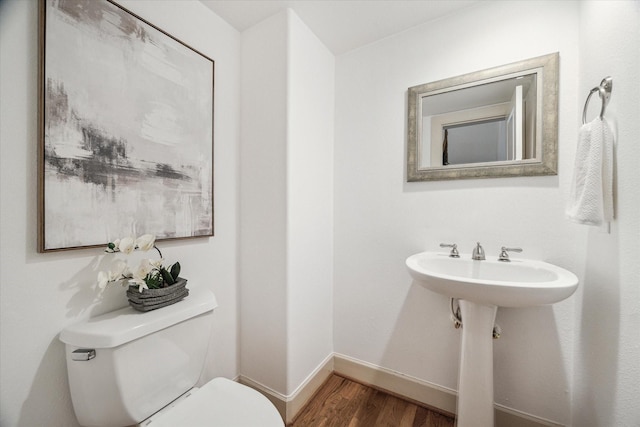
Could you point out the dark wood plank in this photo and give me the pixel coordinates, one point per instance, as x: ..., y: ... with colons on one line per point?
x: 420, y: 419
x: 435, y: 419
x: 391, y: 412
x: 321, y: 406
x: 368, y: 409
x: 408, y: 416
x: 346, y: 409
x: 341, y: 402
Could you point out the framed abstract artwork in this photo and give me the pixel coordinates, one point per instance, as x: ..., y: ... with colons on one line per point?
x: 125, y: 129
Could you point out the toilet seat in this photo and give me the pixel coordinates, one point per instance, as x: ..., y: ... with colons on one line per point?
x: 221, y: 403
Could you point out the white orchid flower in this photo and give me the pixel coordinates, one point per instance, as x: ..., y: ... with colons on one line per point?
x: 144, y: 268
x: 156, y: 263
x: 149, y: 270
x: 140, y: 282
x: 118, y: 271
x: 127, y: 273
x: 146, y: 242
x: 127, y: 245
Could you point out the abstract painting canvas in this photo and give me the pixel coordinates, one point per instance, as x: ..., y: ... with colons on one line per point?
x: 126, y: 129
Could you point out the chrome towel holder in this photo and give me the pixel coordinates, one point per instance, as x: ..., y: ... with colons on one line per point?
x: 604, y: 91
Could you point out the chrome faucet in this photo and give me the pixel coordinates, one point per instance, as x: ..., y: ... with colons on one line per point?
x: 478, y: 253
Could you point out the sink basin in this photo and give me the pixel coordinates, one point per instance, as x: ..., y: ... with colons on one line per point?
x: 518, y: 283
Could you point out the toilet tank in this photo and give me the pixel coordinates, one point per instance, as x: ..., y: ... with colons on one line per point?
x: 143, y: 361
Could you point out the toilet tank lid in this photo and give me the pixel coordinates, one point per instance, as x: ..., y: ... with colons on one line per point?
x: 124, y: 325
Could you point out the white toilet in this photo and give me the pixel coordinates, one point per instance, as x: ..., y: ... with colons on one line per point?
x: 131, y: 368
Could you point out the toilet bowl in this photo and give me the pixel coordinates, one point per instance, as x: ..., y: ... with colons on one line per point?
x: 132, y: 368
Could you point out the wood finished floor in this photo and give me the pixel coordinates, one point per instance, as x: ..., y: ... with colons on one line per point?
x: 341, y: 402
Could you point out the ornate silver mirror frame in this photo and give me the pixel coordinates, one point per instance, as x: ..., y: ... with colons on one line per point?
x: 543, y: 161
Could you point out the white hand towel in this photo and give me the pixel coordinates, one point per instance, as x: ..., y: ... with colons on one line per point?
x: 591, y: 197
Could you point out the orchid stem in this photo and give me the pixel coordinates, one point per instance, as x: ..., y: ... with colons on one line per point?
x: 157, y: 249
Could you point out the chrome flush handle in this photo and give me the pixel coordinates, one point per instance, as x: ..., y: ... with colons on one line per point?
x: 504, y: 256
x: 454, y: 249
x: 83, y: 354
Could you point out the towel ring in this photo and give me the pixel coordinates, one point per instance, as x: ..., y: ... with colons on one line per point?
x: 604, y: 91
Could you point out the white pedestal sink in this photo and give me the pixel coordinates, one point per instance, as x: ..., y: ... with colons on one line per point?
x: 483, y: 286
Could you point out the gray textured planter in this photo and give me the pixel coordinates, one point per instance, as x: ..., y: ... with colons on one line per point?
x: 152, y: 299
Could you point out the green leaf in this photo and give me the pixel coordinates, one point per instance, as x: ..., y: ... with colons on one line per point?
x: 153, y: 281
x: 175, y: 271
x: 167, y: 277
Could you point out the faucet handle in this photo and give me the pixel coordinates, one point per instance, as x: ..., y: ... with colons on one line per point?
x: 454, y: 249
x: 504, y: 256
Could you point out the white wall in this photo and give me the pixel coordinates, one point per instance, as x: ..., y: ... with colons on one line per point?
x: 286, y: 223
x: 42, y: 293
x: 263, y: 263
x: 381, y: 317
x: 607, y: 349
x: 310, y: 207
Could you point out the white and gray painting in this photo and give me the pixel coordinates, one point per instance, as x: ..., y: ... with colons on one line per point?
x: 128, y: 129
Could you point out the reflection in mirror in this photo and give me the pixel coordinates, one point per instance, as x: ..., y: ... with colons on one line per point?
x: 496, y: 122
x: 488, y: 123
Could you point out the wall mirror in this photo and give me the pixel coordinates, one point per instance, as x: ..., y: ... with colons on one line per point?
x: 498, y: 122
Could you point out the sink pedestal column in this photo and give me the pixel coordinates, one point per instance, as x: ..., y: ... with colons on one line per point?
x: 475, y: 378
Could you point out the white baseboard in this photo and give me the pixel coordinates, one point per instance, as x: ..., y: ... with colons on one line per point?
x: 428, y: 394
x: 436, y: 397
x: 505, y: 417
